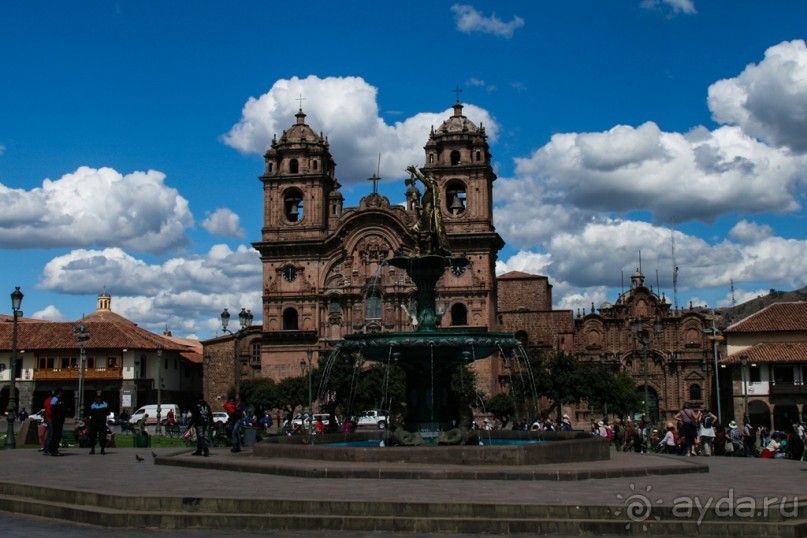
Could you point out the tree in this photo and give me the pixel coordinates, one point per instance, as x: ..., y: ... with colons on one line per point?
x: 502, y: 406
x: 260, y: 393
x: 349, y: 386
x: 293, y: 392
x: 562, y: 379
x: 622, y: 396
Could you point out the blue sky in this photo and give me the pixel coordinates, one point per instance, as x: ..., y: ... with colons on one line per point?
x: 131, y: 136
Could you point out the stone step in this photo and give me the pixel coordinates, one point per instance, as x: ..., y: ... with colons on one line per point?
x: 120, y: 511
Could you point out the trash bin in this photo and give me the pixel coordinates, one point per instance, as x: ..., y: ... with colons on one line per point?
x: 142, y: 440
x: 249, y: 436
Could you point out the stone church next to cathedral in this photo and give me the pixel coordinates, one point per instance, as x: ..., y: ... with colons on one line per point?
x: 324, y: 275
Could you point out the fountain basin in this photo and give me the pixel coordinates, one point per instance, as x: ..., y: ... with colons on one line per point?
x: 559, y: 447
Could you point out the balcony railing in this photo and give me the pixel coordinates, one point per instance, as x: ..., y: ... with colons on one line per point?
x: 49, y: 374
x: 778, y: 389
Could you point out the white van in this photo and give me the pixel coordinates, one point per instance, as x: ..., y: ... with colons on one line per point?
x: 151, y: 411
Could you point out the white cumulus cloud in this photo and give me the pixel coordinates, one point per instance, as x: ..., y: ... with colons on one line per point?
x: 345, y: 109
x: 50, y: 313
x: 677, y: 6
x: 223, y: 222
x: 96, y: 207
x: 677, y: 177
x: 178, y: 292
x: 768, y: 100
x: 469, y: 20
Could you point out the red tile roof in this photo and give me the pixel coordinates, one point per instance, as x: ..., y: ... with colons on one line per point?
x: 775, y: 317
x: 103, y: 335
x: 771, y: 352
x: 513, y: 275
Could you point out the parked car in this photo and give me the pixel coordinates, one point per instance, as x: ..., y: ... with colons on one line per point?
x: 219, y: 417
x: 149, y: 413
x: 112, y: 419
x: 373, y: 418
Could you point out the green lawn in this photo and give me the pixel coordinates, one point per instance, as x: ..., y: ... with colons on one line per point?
x: 126, y: 441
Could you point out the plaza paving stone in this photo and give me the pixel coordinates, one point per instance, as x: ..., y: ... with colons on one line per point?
x: 120, y: 473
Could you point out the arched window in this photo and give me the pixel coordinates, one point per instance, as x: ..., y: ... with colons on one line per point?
x: 314, y: 164
x: 478, y: 155
x: 455, y: 158
x: 294, y: 166
x: 695, y: 392
x: 522, y: 337
x: 373, y: 303
x: 459, y: 314
x: 455, y: 197
x: 271, y: 167
x: 431, y: 158
x: 290, y: 319
x: 293, y: 205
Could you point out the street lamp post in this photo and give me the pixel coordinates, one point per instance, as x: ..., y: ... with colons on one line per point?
x: 644, y: 338
x: 16, y: 303
x: 303, y: 365
x: 82, y: 335
x: 206, y: 375
x: 744, y: 378
x: 714, y: 332
x: 159, y: 428
x: 245, y: 318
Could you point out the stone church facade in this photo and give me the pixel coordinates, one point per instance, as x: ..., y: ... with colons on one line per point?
x: 324, y: 277
x: 324, y: 274
x: 679, y: 351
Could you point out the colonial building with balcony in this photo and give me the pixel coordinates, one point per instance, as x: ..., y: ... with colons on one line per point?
x: 122, y: 361
x: 767, y: 364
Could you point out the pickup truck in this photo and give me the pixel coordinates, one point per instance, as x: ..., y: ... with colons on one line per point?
x: 373, y: 418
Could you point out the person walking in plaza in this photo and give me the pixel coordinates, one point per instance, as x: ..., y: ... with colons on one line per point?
x: 48, y: 425
x: 735, y: 437
x: 201, y: 420
x: 707, y: 431
x: 689, y: 428
x: 99, y: 411
x: 58, y: 414
x: 749, y: 438
x: 236, y: 419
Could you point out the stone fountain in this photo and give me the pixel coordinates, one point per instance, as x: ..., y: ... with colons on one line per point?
x: 428, y: 357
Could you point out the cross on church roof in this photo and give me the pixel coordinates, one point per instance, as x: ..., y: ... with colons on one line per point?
x: 301, y: 99
x: 458, y: 91
x: 375, y: 179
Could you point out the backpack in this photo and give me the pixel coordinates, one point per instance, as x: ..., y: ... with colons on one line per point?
x: 707, y: 422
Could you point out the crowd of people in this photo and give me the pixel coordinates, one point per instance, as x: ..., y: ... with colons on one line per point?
x: 697, y: 432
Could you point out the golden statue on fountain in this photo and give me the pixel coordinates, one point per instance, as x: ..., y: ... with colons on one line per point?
x: 429, y: 232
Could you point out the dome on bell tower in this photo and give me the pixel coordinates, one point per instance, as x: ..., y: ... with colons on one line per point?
x: 458, y: 123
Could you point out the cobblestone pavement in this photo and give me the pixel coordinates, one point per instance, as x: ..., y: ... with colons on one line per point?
x: 120, y: 473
